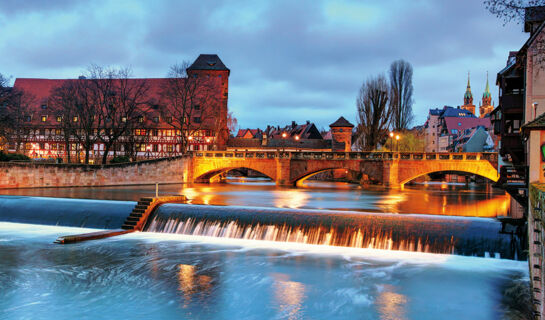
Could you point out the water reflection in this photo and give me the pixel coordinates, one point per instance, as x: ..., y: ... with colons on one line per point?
x: 289, y: 296
x: 390, y: 304
x: 443, y: 199
x: 191, y: 283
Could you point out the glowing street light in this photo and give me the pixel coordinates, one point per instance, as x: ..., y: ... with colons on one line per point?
x: 284, y: 135
x: 397, y: 142
x: 297, y: 138
x: 190, y: 138
x: 391, y: 141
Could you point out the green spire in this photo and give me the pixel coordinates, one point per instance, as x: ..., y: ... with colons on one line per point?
x: 468, y: 94
x: 486, y: 93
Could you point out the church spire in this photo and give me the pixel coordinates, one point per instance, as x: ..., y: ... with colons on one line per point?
x: 486, y: 93
x: 486, y: 104
x: 468, y: 96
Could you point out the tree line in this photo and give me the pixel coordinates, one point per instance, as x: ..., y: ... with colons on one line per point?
x: 107, y: 106
x: 384, y: 104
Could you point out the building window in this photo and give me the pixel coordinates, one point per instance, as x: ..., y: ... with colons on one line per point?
x: 27, y: 118
x: 58, y: 132
x: 53, y: 146
x: 156, y: 119
x: 123, y: 119
x: 42, y: 146
x: 155, y: 132
x: 197, y: 107
x: 169, y: 119
x: 155, y: 148
x: 141, y: 119
x: 170, y: 148
x: 42, y: 132
x: 75, y: 119
x: 454, y: 131
x: 59, y: 118
x: 44, y: 106
x: 459, y: 123
x: 140, y: 132
x: 44, y: 118
x: 197, y: 119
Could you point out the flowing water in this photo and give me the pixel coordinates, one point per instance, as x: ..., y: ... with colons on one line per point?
x: 327, y: 252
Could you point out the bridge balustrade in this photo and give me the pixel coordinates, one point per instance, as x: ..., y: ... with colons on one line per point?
x: 368, y: 155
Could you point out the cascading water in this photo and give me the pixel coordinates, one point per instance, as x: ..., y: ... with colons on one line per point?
x: 422, y: 233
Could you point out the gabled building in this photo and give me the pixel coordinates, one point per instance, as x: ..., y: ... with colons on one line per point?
x: 155, y: 136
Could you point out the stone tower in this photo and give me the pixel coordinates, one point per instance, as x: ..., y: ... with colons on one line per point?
x: 468, y: 98
x: 486, y: 105
x: 341, y: 133
x: 212, y: 79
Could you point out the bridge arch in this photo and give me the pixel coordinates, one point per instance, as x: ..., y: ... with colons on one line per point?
x: 213, y: 174
x: 372, y: 170
x: 411, y: 171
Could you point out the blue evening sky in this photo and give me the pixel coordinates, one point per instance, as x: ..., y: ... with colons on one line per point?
x: 289, y: 60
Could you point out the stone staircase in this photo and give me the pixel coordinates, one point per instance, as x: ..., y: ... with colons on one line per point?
x: 145, y: 206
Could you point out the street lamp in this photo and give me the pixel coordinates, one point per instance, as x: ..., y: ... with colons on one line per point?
x: 284, y: 135
x: 397, y: 142
x: 391, y: 141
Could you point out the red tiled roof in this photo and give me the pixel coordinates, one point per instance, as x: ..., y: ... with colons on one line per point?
x: 41, y: 89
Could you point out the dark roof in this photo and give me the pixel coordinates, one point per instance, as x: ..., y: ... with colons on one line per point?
x: 208, y: 62
x: 456, y: 112
x: 533, y: 15
x: 435, y: 112
x: 536, y: 124
x: 341, y: 122
x: 279, y: 143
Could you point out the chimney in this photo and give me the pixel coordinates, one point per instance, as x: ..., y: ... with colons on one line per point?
x: 293, y: 124
x: 82, y: 77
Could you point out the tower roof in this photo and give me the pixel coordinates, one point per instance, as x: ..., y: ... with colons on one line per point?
x: 468, y: 94
x: 208, y: 62
x: 486, y: 93
x: 341, y: 122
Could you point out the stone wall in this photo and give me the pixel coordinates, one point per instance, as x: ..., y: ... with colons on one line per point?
x: 31, y: 174
x: 536, y: 239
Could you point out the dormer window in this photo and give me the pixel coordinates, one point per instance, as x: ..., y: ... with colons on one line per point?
x: 59, y: 118
x: 123, y: 119
x: 141, y: 119
x: 75, y: 119
x: 211, y: 63
x: 44, y: 118
x: 44, y: 106
x: 27, y: 118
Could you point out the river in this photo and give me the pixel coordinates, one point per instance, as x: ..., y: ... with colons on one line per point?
x: 174, y: 276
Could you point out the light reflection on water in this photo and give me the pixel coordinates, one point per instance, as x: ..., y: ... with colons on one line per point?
x: 426, y: 199
x: 152, y: 276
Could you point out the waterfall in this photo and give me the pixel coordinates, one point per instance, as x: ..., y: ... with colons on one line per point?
x: 421, y: 233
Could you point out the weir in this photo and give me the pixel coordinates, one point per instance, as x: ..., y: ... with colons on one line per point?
x: 420, y: 233
x: 408, y: 232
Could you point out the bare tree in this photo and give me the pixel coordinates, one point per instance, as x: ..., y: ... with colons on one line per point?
x: 74, y: 102
x: 511, y: 10
x: 120, y: 103
x: 188, y: 103
x: 373, y: 112
x: 401, y: 94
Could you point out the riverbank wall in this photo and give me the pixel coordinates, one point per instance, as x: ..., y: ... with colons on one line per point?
x: 33, y: 174
x: 536, y: 227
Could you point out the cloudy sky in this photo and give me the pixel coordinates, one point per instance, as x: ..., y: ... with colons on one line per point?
x: 289, y: 60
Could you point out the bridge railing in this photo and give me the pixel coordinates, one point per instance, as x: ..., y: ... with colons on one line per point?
x: 310, y: 155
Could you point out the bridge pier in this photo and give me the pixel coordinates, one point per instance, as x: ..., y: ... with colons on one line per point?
x: 390, y: 174
x: 283, y: 170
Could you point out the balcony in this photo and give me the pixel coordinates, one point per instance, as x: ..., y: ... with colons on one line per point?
x: 512, y: 103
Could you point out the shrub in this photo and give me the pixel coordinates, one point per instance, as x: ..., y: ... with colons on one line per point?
x: 120, y: 159
x: 12, y: 156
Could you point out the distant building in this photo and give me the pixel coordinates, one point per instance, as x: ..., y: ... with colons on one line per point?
x: 295, y: 137
x: 476, y: 139
x: 444, y: 126
x: 486, y: 106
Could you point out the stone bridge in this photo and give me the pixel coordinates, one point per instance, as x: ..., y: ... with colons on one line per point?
x: 392, y: 169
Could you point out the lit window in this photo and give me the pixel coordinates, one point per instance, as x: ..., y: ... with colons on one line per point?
x: 44, y: 118
x: 123, y: 119
x: 59, y: 118
x: 140, y: 119
x: 58, y: 132
x: 75, y: 119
